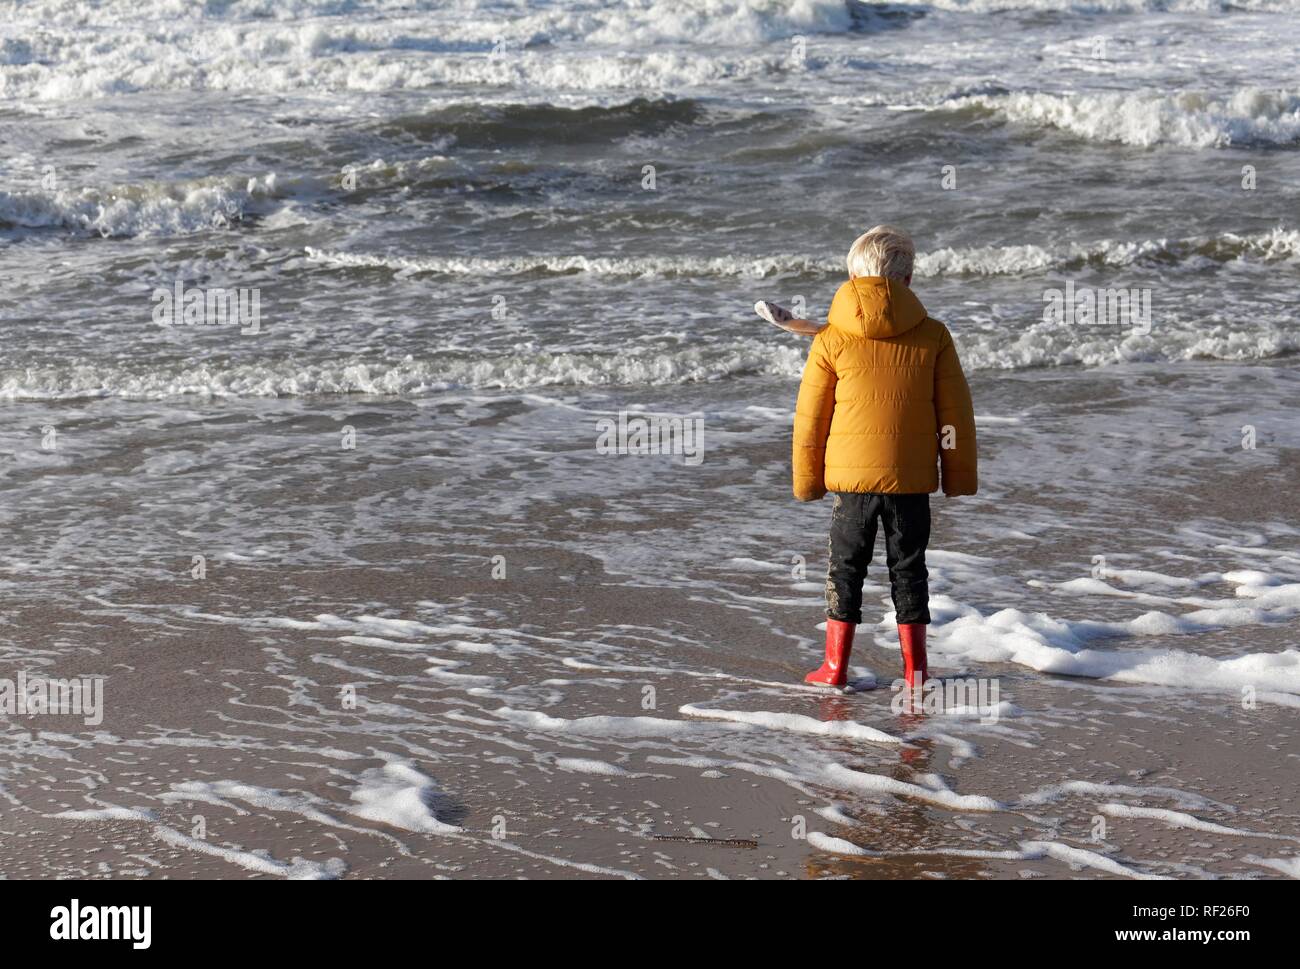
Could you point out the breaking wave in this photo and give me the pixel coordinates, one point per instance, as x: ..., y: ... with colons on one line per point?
x: 1251, y: 116
x: 60, y: 51
x: 1035, y: 345
x: 1193, y: 253
x: 149, y: 208
x: 408, y: 377
x: 1102, y: 6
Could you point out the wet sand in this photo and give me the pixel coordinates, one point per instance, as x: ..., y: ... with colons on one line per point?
x: 224, y: 705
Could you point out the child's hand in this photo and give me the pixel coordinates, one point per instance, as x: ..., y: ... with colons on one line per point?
x: 777, y: 315
x: 782, y: 317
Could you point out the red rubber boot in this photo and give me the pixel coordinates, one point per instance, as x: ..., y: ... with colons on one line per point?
x: 839, y: 643
x: 911, y: 639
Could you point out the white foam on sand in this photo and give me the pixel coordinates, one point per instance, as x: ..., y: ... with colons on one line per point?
x: 851, y: 780
x: 1287, y: 866
x: 583, y: 866
x: 579, y: 664
x: 307, y: 806
x: 605, y: 726
x: 260, y: 862
x: 1029, y: 851
x: 611, y: 727
x: 838, y: 846
x: 1082, y: 858
x: 108, y: 813
x: 828, y: 774
x: 395, y: 794
x: 399, y: 795
x: 1054, y: 792
x: 962, y: 749
x: 1177, y: 819
x: 1003, y: 709
x: 1050, y: 645
x: 836, y: 814
x: 794, y: 723
x: 583, y: 765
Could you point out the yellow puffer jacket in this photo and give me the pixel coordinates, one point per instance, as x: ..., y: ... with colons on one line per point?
x: 882, y: 390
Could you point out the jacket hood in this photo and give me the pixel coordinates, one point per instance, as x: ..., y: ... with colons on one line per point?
x: 875, y: 307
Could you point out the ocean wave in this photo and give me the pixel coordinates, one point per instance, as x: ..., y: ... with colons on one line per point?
x: 1101, y: 6
x: 58, y: 52
x: 1250, y: 116
x: 715, y: 22
x: 62, y: 53
x: 350, y: 25
x: 239, y: 71
x: 1039, y: 345
x: 757, y: 267
x: 154, y: 208
x: 160, y: 208
x: 514, y: 124
x: 1035, y: 345
x: 405, y: 378
x: 1194, y: 253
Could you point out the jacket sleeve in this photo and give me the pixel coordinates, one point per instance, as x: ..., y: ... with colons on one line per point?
x: 812, y: 422
x: 956, y: 422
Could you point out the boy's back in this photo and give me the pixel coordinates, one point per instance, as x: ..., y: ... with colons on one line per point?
x: 881, y: 392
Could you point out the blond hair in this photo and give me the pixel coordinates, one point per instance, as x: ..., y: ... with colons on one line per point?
x: 882, y: 251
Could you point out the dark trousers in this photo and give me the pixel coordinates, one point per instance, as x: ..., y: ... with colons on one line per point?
x: 906, y: 521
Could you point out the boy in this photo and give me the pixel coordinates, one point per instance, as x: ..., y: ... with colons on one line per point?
x: 883, y: 399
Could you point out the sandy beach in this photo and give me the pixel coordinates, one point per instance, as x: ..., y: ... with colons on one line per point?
x: 634, y: 674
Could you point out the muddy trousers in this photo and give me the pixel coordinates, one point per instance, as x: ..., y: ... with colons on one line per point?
x: 905, y: 520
